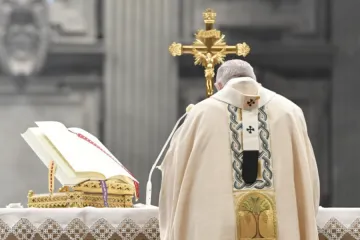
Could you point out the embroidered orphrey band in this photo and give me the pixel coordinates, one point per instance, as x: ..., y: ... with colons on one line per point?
x: 51, y: 179
x: 265, y: 176
x: 255, y: 206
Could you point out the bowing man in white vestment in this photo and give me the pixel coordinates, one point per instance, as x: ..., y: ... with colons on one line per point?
x: 240, y: 167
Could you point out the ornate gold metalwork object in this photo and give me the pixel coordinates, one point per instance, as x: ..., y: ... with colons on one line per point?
x: 209, y: 49
x: 84, y: 194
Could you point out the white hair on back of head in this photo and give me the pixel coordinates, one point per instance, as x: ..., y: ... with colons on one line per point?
x: 233, y: 69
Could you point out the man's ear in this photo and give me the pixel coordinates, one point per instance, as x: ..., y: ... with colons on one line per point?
x: 218, y: 86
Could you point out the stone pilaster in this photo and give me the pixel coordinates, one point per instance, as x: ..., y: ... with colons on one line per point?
x: 140, y: 88
x: 345, y: 104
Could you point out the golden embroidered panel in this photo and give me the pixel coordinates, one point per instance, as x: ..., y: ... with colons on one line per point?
x: 256, y: 215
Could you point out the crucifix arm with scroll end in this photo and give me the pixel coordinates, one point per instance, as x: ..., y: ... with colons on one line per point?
x: 240, y: 49
x: 177, y: 49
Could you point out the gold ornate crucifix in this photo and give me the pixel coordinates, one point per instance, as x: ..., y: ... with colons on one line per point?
x: 209, y: 49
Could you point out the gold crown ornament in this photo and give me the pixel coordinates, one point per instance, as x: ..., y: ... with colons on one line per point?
x: 209, y: 16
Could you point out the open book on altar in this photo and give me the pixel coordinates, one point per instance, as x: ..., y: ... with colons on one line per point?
x: 78, y: 155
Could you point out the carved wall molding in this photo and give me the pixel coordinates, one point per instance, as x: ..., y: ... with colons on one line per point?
x: 24, y: 31
x: 73, y: 21
x: 51, y: 84
x: 300, y: 16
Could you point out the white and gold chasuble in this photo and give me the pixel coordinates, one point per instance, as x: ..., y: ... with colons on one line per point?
x: 240, y: 167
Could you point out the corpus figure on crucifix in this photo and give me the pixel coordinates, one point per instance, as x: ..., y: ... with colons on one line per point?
x: 209, y: 61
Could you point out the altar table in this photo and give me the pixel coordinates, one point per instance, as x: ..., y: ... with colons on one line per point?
x: 79, y: 223
x: 140, y: 223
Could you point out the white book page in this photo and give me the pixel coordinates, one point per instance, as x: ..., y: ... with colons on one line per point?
x: 98, y: 143
x: 36, y: 140
x: 81, y: 155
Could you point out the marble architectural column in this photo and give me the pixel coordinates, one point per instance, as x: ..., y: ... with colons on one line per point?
x: 345, y: 106
x: 141, y: 86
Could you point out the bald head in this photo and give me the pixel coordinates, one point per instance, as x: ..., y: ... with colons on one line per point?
x: 233, y: 69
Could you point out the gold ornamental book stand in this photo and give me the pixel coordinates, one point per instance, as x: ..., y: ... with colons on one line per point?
x: 209, y: 49
x: 85, y: 194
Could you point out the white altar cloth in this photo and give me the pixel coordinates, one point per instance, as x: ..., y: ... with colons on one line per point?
x: 79, y: 223
x: 139, y: 223
x: 339, y: 223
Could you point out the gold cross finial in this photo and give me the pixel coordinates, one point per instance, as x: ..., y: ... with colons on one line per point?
x: 209, y: 49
